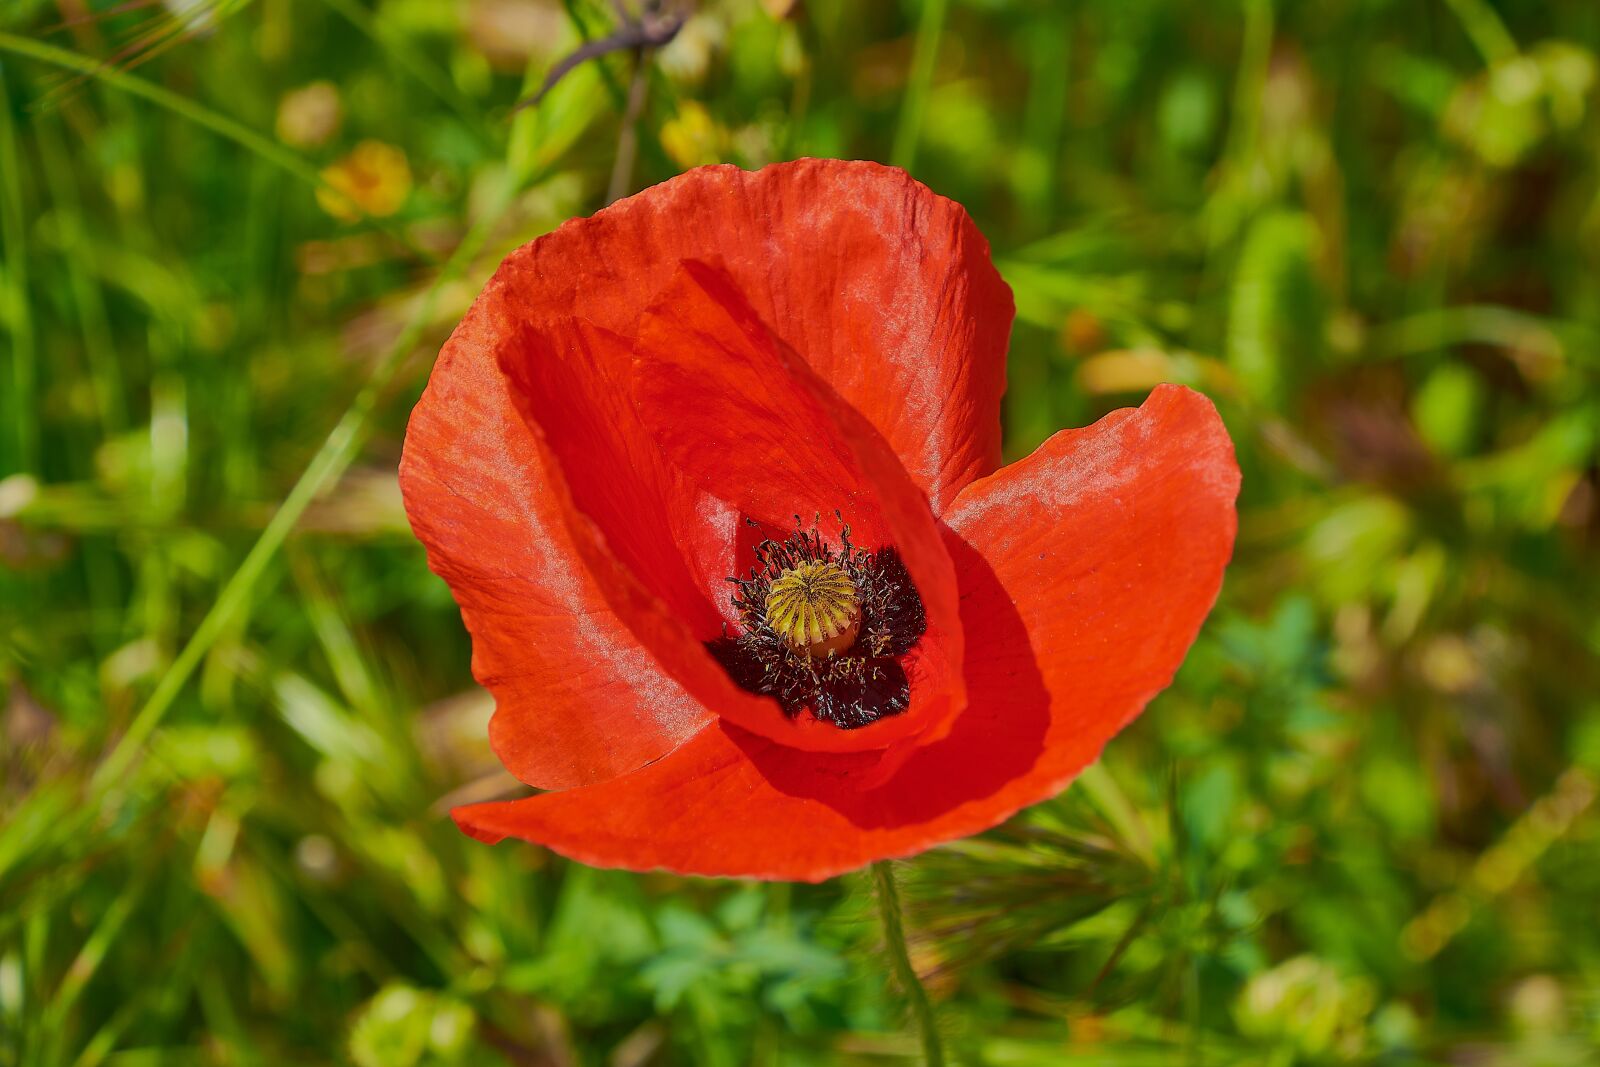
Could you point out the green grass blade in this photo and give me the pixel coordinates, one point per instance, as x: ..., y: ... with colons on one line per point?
x: 930, y: 29
x: 195, y: 112
x: 17, y: 313
x: 337, y: 451
x: 1489, y: 35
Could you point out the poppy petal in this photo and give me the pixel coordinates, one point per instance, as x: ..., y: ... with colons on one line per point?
x: 557, y: 436
x: 572, y: 380
x: 1086, y: 571
x: 577, y: 699
x: 745, y: 419
x: 884, y: 288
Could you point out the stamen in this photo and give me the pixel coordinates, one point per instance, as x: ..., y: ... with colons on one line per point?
x: 824, y: 627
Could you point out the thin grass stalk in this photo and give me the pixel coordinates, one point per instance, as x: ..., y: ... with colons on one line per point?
x: 930, y: 29
x: 200, y: 115
x: 19, y: 412
x: 628, y: 136
x: 406, y: 56
x: 1489, y: 34
x: 894, y: 936
x: 338, y: 450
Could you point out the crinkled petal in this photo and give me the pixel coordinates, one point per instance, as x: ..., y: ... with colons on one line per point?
x: 887, y: 292
x: 885, y: 289
x: 742, y: 417
x: 572, y: 380
x: 578, y: 698
x: 1085, y: 573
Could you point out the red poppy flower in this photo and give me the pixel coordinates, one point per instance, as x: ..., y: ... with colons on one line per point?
x: 791, y: 379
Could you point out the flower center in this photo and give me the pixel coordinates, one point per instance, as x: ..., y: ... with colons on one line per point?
x: 825, y: 628
x: 814, y: 608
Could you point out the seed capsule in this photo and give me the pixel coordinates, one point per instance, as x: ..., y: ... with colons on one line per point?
x: 815, y: 609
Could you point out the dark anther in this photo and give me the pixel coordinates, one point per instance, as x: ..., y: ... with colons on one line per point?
x: 853, y: 687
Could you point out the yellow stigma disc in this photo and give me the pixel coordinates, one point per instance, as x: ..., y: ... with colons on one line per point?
x: 814, y: 608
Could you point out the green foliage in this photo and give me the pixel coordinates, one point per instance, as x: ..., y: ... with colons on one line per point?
x: 235, y: 706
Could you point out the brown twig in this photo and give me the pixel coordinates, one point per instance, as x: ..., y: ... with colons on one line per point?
x: 651, y: 28
x: 628, y: 136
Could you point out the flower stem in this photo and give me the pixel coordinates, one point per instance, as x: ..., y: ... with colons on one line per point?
x: 894, y: 935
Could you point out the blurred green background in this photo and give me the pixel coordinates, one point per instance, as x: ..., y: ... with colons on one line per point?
x: 234, y: 705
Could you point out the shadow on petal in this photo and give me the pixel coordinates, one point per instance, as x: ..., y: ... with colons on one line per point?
x: 997, y: 740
